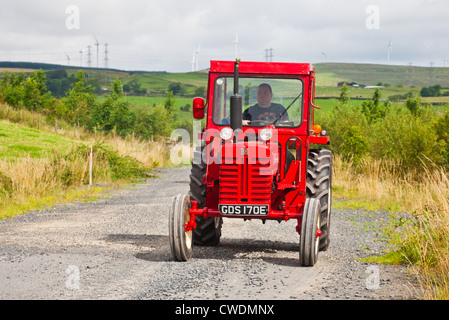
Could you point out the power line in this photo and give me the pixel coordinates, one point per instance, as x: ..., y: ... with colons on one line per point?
x: 89, y: 60
x: 269, y: 55
x: 106, y: 59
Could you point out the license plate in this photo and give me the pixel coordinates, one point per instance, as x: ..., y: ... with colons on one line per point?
x: 243, y: 209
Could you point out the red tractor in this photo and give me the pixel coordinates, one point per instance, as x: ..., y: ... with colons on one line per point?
x: 255, y: 159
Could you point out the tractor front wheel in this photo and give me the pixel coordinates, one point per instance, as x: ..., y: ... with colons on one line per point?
x: 309, y: 237
x: 180, y: 240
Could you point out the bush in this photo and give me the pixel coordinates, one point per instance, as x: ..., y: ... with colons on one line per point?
x: 355, y: 145
x: 415, y: 135
x: 373, y: 110
x: 108, y: 164
x: 432, y: 91
x: 79, y: 102
x: 157, y: 122
x: 339, y: 121
x: 442, y: 136
x: 404, y: 137
x: 5, y: 185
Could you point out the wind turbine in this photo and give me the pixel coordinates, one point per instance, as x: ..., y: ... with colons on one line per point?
x: 81, y: 56
x: 389, y: 46
x: 236, y: 44
x: 197, y: 52
x: 193, y: 61
x: 96, y: 44
x: 68, y: 58
x: 324, y: 56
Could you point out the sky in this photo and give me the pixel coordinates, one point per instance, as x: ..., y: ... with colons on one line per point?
x: 181, y: 36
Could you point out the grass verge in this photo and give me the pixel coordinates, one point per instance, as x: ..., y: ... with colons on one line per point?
x: 49, y: 165
x: 422, y: 239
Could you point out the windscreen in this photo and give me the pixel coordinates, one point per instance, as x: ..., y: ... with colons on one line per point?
x: 265, y: 100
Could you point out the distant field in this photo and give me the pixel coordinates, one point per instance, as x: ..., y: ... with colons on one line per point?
x: 15, y: 70
x: 334, y: 92
x: 158, y: 83
x: 150, y: 101
x: 399, y: 79
x: 371, y: 74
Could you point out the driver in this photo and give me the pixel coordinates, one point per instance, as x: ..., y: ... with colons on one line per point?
x: 264, y: 109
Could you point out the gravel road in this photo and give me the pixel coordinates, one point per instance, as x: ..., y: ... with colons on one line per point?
x: 118, y: 248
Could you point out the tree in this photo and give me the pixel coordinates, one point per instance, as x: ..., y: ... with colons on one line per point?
x: 355, y: 145
x: 114, y: 112
x: 80, y: 100
x: 36, y: 97
x: 122, y: 118
x: 373, y: 109
x: 200, y: 92
x: 344, y: 96
x: 169, y: 103
x: 12, y: 90
x: 432, y: 91
x: 414, y: 105
x: 176, y: 88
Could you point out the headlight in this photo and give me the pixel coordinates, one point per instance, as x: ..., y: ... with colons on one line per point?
x: 226, y: 133
x: 265, y: 134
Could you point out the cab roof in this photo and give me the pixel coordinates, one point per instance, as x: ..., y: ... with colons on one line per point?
x: 251, y: 67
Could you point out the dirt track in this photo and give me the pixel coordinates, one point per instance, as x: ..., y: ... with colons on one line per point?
x: 118, y: 248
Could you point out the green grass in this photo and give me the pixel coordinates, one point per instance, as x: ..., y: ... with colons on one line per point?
x: 58, y: 164
x: 19, y: 141
x: 151, y: 101
x: 10, y: 209
x: 391, y: 258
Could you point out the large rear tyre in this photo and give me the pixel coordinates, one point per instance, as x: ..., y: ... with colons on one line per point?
x: 180, y: 240
x: 208, y: 230
x: 309, y: 237
x: 319, y: 186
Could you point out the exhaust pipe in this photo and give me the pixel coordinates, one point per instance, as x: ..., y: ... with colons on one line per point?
x: 236, y: 102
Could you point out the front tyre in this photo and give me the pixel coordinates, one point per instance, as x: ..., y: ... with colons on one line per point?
x: 309, y: 237
x: 181, y: 242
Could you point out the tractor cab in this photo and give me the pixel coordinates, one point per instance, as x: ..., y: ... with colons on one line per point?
x: 255, y: 159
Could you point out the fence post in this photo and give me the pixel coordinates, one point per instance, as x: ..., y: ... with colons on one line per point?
x: 90, y: 165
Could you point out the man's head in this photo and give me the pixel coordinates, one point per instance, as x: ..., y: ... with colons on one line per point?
x: 264, y: 95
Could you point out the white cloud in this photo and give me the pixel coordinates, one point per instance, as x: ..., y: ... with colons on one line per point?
x: 162, y: 34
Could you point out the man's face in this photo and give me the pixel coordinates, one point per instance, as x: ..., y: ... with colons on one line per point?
x: 264, y: 96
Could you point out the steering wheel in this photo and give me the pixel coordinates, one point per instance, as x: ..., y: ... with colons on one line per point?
x: 259, y: 123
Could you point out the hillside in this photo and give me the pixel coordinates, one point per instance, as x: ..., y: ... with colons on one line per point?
x: 329, y: 74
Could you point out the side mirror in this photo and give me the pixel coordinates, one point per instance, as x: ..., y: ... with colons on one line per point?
x: 198, y: 108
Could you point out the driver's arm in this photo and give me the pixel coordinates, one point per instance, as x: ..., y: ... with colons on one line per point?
x: 246, y: 117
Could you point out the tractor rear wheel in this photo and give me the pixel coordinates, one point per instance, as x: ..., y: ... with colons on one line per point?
x: 208, y: 230
x: 180, y: 240
x: 319, y: 186
x: 309, y: 237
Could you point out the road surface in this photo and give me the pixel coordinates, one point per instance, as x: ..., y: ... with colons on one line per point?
x: 118, y: 248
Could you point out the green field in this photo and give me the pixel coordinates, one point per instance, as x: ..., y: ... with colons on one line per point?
x: 18, y: 141
x: 157, y: 83
x: 371, y: 74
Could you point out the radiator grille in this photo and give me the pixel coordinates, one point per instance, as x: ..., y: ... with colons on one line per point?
x: 245, y: 183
